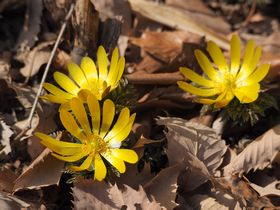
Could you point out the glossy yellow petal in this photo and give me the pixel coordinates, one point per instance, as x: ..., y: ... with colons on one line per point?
x: 66, y: 83
x: 113, y: 66
x: 248, y: 55
x: 100, y: 169
x: 81, y: 115
x: 57, y: 91
x: 119, y: 125
x: 217, y: 56
x: 191, y: 75
x: 210, y: 101
x: 77, y: 74
x: 89, y: 68
x: 225, y: 101
x: 108, y: 114
x: 197, y: 91
x: 94, y: 110
x: 206, y: 66
x: 102, y: 61
x: 126, y: 155
x: 72, y: 158
x: 247, y: 94
x: 84, y: 166
x: 54, y: 99
x: 122, y: 135
x: 117, y: 163
x: 235, y: 51
x: 60, y: 147
x: 120, y: 69
x: 258, y: 75
x: 71, y: 125
x: 254, y: 62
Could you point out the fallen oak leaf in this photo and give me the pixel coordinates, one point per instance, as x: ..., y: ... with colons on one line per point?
x: 197, y: 139
x: 45, y: 170
x: 131, y: 199
x: 257, y: 155
x: 167, y: 179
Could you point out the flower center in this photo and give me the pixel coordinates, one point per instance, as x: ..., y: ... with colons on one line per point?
x: 228, y: 82
x: 96, y: 144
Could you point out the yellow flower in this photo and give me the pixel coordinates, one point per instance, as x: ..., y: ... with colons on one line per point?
x: 87, y: 78
x: 224, y: 81
x: 95, y: 140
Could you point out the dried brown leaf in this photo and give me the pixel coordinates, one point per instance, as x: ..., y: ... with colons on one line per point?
x: 199, y: 201
x: 178, y: 19
x: 7, y: 178
x: 257, y: 155
x: 131, y: 199
x: 201, y: 13
x: 34, y: 59
x: 198, y: 140
x: 45, y: 170
x: 91, y: 195
x: 167, y: 179
x: 100, y: 195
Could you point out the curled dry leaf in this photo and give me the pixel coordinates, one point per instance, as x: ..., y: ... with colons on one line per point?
x: 257, y: 155
x: 45, y: 170
x: 34, y: 59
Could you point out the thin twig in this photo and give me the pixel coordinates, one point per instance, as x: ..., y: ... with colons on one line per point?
x: 154, y: 79
x: 30, y: 117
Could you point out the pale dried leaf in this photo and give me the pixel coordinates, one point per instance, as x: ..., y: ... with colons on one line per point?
x: 201, y: 13
x: 205, y: 202
x: 91, y: 195
x: 45, y: 170
x: 166, y: 179
x: 131, y: 199
x: 34, y: 59
x: 10, y: 202
x: 198, y: 140
x: 269, y: 189
x: 178, y: 19
x: 257, y: 155
x: 199, y: 201
x: 6, y: 133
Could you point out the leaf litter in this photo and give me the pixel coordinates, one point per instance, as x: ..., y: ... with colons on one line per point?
x: 187, y: 161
